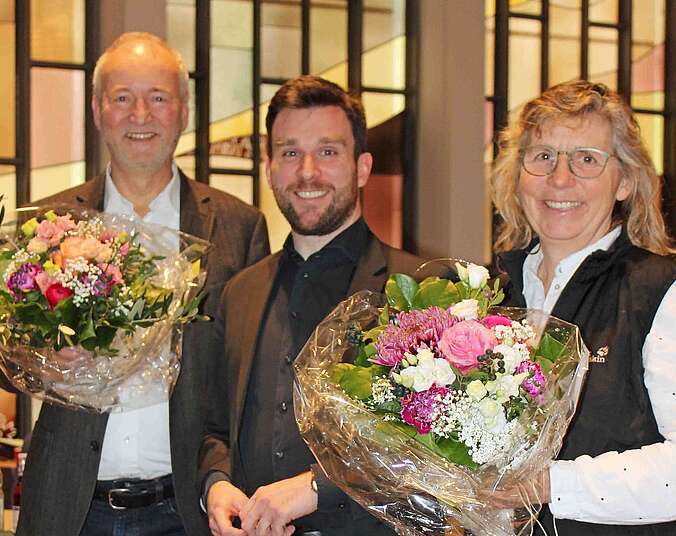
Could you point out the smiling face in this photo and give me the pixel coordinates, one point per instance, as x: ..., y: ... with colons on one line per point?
x: 140, y: 111
x: 312, y: 170
x: 566, y: 212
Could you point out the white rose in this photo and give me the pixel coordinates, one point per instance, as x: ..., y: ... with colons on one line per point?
x: 497, y: 423
x: 466, y: 309
x: 511, y: 356
x: 477, y: 275
x: 429, y: 371
x: 476, y: 390
x: 489, y: 408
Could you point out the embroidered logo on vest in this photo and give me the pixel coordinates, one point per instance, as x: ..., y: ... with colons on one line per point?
x: 599, y: 356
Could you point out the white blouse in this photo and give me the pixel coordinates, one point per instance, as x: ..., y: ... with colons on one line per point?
x: 636, y: 486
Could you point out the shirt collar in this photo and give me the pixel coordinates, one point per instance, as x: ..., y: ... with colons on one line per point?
x: 169, y: 197
x: 350, y: 243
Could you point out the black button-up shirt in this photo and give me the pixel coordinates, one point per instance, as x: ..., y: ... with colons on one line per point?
x: 304, y: 292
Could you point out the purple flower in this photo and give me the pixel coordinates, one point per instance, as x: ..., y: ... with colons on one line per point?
x: 410, y: 331
x: 23, y: 280
x: 99, y: 286
x: 535, y: 383
x: 417, y: 409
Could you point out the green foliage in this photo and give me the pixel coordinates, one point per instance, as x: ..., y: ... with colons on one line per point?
x: 549, y: 349
x: 453, y: 450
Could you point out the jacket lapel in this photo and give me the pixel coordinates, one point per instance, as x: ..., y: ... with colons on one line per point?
x: 91, y: 194
x: 196, y: 216
x: 371, y: 271
x: 250, y: 324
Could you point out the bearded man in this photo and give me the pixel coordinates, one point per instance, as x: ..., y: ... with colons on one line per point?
x: 254, y: 463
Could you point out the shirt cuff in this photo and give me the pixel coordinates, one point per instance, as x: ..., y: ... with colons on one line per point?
x: 210, y: 480
x: 565, y: 489
x: 330, y: 497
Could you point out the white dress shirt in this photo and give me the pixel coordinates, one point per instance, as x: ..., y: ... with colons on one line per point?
x: 636, y: 486
x: 136, y: 442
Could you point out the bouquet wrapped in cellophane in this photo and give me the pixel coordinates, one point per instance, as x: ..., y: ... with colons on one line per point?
x: 421, y: 402
x: 92, y: 307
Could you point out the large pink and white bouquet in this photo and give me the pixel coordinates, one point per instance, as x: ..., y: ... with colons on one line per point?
x: 419, y: 405
x: 88, y: 300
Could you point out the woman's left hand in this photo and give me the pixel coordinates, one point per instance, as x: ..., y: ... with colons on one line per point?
x: 535, y: 490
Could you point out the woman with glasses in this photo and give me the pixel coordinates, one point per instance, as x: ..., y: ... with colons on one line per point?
x: 583, y: 238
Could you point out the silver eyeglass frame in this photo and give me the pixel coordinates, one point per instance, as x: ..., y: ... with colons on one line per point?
x: 556, y: 152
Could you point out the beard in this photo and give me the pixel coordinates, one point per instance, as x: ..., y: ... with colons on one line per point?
x: 331, y: 219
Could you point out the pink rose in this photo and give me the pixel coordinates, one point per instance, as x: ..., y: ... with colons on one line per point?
x: 463, y: 342
x: 491, y: 321
x: 124, y: 249
x: 38, y: 245
x: 50, y: 232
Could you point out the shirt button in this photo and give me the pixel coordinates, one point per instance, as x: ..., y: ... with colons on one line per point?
x: 279, y: 454
x: 342, y: 505
x: 557, y: 286
x: 294, y: 314
x: 283, y: 406
x: 94, y: 445
x: 305, y: 275
x: 288, y: 360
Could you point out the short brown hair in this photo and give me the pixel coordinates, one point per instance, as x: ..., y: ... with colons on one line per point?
x: 310, y: 91
x: 640, y: 211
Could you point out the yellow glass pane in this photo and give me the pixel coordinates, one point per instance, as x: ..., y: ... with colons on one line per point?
x: 7, y: 79
x: 564, y: 45
x: 652, y: 132
x: 524, y: 61
x: 267, y: 92
x: 8, y: 190
x: 281, y: 39
x: 384, y: 44
x: 180, y: 17
x: 532, y: 7
x: 604, y: 10
x: 186, y: 164
x: 57, y: 116
x: 58, y: 30
x: 380, y: 107
x: 232, y: 153
x: 50, y: 180
x: 328, y: 35
x: 603, y: 56
x: 241, y: 186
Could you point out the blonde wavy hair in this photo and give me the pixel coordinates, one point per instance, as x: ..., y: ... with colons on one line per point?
x: 640, y: 211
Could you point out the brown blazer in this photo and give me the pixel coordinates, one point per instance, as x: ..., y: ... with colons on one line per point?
x: 65, y: 449
x: 242, y: 306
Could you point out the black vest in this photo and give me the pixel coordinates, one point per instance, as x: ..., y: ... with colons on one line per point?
x: 613, y: 298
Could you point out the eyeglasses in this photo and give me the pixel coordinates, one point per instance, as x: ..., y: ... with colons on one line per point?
x: 583, y: 162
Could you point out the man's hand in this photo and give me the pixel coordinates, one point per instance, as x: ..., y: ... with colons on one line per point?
x: 273, y: 507
x: 224, y: 503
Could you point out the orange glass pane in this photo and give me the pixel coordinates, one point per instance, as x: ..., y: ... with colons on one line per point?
x: 57, y: 30
x: 7, y: 79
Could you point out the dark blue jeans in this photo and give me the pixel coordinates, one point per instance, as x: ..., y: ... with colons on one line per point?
x: 159, y: 519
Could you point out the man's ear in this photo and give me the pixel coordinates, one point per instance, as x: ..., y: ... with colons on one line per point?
x: 96, y: 112
x: 364, y: 165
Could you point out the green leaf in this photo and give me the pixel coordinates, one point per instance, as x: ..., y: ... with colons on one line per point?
x: 435, y: 291
x: 549, y: 348
x: 383, y: 317
x: 356, y: 382
x: 87, y: 327
x: 30, y: 313
x: 452, y: 450
x: 338, y: 371
x: 410, y: 431
x: 137, y: 309
x: 400, y: 290
x: 391, y: 406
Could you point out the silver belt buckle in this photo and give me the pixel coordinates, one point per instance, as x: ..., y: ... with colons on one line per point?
x: 110, y: 497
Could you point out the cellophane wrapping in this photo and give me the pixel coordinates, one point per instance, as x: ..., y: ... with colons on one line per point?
x: 396, y: 478
x: 143, y: 368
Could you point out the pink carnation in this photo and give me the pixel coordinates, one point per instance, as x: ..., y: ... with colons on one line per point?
x: 418, y: 409
x: 463, y: 342
x: 111, y: 272
x: 49, y: 232
x: 491, y: 321
x: 44, y: 281
x: 65, y: 223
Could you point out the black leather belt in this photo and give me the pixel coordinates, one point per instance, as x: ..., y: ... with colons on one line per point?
x: 134, y: 493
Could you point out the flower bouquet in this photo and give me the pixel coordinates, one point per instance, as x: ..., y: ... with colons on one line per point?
x: 91, y: 305
x: 420, y: 402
